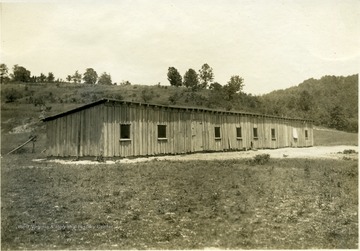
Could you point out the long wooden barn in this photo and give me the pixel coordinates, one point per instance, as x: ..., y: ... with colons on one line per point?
x: 114, y: 128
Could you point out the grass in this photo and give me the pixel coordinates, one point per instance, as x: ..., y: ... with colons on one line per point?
x: 326, y: 137
x: 282, y: 204
x: 52, y: 93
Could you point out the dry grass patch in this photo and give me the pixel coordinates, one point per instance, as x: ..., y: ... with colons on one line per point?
x: 282, y: 204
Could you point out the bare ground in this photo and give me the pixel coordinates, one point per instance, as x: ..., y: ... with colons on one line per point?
x: 316, y: 152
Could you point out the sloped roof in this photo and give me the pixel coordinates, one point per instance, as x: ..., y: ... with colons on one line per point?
x: 107, y: 100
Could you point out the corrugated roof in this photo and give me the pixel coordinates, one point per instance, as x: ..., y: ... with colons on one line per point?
x: 107, y: 100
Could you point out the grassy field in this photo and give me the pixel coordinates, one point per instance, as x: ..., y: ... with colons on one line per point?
x: 284, y: 204
x: 327, y: 137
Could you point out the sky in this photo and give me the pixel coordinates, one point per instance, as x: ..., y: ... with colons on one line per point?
x: 271, y: 44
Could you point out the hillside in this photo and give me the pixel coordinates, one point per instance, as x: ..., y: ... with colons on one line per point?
x: 330, y: 101
x: 27, y: 102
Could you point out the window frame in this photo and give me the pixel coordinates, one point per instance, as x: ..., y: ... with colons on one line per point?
x: 238, y: 135
x: 217, y: 129
x: 273, y: 134
x: 306, y: 134
x: 129, y: 132
x: 162, y: 131
x: 255, y: 133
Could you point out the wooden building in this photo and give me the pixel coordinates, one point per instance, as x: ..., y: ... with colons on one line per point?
x: 113, y: 128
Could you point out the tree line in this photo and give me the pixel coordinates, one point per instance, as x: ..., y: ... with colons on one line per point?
x: 205, y: 79
x: 191, y: 80
x: 21, y: 74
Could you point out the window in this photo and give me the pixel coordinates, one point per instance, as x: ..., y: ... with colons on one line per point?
x: 273, y: 135
x: 306, y: 134
x: 217, y: 132
x: 161, y: 131
x: 255, y: 133
x: 295, y: 134
x: 124, y: 131
x: 238, y: 132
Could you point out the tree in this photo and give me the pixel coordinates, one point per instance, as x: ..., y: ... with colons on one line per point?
x: 216, y: 96
x: 191, y: 79
x: 174, y: 77
x: 125, y: 82
x: 105, y: 79
x: 235, y: 85
x: 90, y: 76
x: 215, y: 86
x: 76, y: 77
x: 206, y: 75
x: 305, y: 101
x: 4, y: 73
x: 21, y: 74
x: 337, y: 118
x: 68, y: 78
x: 50, y: 77
x: 42, y: 78
x: 34, y: 79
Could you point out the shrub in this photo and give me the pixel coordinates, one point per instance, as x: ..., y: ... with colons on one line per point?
x: 94, y: 97
x: 174, y: 98
x: 349, y: 151
x: 147, y: 96
x: 118, y: 96
x: 12, y: 95
x: 260, y: 159
x: 39, y: 101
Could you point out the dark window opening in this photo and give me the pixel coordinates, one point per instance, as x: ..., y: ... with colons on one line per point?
x: 238, y: 132
x: 217, y: 132
x: 273, y: 135
x: 124, y: 131
x: 306, y: 134
x: 162, y: 131
x: 255, y: 133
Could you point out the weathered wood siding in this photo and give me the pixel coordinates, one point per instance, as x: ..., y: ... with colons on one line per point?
x: 95, y: 131
x: 76, y: 134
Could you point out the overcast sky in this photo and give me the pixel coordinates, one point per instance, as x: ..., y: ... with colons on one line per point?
x: 272, y: 44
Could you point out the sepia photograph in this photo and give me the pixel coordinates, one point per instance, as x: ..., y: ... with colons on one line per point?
x: 179, y: 125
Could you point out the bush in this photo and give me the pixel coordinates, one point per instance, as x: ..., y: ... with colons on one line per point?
x: 195, y: 98
x: 39, y: 101
x: 260, y: 159
x: 349, y: 151
x: 147, y: 96
x: 94, y: 97
x: 12, y: 95
x: 118, y: 97
x: 175, y: 97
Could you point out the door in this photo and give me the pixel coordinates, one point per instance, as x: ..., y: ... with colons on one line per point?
x: 197, y: 136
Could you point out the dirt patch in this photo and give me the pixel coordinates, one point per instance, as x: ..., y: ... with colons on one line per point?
x: 316, y: 152
x: 23, y: 128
